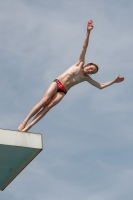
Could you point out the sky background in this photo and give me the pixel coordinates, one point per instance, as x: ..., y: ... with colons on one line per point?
x: 88, y: 137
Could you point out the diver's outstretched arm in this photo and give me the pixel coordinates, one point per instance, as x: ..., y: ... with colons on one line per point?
x: 118, y: 79
x: 86, y: 41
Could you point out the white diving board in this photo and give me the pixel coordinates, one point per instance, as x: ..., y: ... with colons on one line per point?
x: 17, y: 150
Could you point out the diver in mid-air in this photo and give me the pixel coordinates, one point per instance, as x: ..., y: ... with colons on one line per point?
x: 77, y: 73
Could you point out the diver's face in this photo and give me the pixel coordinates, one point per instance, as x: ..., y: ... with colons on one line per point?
x: 90, y: 69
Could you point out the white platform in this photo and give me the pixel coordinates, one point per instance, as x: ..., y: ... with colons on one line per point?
x: 17, y: 150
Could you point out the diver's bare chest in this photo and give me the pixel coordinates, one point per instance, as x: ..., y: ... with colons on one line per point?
x: 77, y: 74
x: 77, y: 78
x: 74, y: 75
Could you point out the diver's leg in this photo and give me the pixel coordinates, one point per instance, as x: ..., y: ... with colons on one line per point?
x: 55, y: 100
x: 47, y: 97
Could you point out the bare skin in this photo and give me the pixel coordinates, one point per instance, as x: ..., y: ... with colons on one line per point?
x: 76, y: 74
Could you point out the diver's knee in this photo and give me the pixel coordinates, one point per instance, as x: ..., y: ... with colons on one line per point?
x: 51, y: 104
x: 45, y: 99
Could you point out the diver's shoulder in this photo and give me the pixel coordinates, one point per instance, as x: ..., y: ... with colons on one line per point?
x: 79, y: 64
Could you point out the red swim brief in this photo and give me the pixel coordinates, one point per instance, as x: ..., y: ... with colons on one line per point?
x: 61, y: 87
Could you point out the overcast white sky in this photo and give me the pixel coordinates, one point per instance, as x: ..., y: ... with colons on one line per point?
x: 88, y: 138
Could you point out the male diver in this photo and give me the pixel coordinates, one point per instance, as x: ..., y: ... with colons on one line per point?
x: 77, y: 73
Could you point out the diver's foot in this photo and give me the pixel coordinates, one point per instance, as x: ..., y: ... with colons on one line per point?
x: 21, y: 126
x: 26, y: 128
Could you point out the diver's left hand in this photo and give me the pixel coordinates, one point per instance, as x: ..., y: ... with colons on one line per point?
x: 118, y: 79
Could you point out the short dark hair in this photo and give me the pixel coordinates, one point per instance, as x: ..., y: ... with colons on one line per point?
x: 94, y: 65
